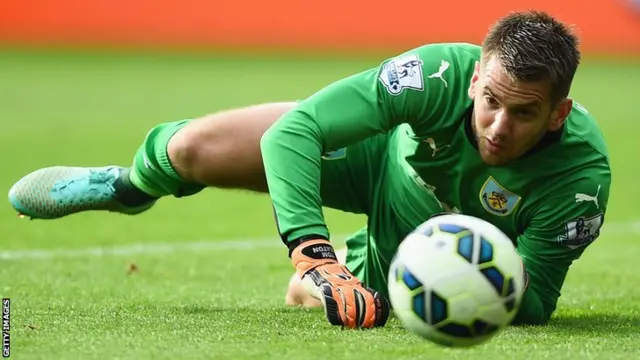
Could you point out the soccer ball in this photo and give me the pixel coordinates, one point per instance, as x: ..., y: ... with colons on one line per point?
x: 456, y: 280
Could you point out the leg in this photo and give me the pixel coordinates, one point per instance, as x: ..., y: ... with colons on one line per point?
x: 223, y: 150
x: 178, y: 158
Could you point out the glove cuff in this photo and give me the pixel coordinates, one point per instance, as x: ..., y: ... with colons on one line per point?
x: 311, y: 254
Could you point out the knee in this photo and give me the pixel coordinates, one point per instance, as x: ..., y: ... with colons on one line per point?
x: 222, y: 149
x: 183, y: 150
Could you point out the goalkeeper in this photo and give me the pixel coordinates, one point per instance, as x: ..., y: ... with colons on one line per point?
x: 487, y: 131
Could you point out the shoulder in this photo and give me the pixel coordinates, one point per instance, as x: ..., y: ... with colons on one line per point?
x: 583, y: 135
x: 427, y: 87
x: 578, y: 164
x: 448, y: 65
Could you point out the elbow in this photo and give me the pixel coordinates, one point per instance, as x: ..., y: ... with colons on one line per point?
x: 266, y: 138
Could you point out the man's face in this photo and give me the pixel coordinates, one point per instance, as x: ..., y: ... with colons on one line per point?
x: 510, y: 116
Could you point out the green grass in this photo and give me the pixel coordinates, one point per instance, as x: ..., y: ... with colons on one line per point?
x: 228, y: 303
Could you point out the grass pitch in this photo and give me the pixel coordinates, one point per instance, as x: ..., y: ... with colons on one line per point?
x: 204, y: 277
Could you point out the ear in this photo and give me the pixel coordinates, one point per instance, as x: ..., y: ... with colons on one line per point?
x: 560, y: 114
x: 474, y: 80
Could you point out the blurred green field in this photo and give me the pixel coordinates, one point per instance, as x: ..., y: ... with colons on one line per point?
x: 212, y: 271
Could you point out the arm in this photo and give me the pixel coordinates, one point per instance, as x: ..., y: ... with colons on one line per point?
x: 338, y: 115
x: 558, y: 235
x: 341, y: 114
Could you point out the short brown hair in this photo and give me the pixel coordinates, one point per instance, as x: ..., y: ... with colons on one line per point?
x: 533, y: 46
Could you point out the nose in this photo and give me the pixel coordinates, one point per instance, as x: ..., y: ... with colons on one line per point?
x: 501, y: 124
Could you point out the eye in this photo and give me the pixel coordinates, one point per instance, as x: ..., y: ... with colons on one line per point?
x: 491, y: 101
x: 525, y: 113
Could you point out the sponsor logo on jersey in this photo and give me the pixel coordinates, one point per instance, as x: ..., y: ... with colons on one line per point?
x: 496, y: 199
x: 581, y: 197
x: 444, y: 65
x: 404, y: 72
x: 581, y: 231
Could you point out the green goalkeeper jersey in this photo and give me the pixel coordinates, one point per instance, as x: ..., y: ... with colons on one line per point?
x: 551, y: 201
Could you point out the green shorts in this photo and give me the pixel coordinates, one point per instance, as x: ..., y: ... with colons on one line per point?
x: 368, y: 178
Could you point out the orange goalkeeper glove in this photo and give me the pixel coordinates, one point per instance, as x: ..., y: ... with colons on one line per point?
x: 346, y: 301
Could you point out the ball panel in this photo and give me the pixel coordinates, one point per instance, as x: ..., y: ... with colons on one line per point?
x: 425, y: 231
x: 457, y: 277
x: 456, y: 330
x: 452, y: 228
x: 494, y: 276
x: 439, y: 312
x: 495, y: 313
x: 481, y: 327
x: 509, y: 262
x: 510, y: 304
x: 465, y: 247
x: 410, y: 280
x: 509, y: 288
x: 486, y: 251
x: 419, y: 306
x: 463, y: 308
x: 430, y: 259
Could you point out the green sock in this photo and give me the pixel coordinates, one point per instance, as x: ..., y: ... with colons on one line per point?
x: 152, y: 171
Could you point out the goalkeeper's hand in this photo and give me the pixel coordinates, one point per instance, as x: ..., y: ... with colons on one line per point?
x: 346, y: 301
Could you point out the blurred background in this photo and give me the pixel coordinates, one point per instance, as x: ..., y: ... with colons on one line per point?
x: 81, y: 82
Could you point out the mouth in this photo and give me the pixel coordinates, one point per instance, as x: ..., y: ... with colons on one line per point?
x: 493, y: 147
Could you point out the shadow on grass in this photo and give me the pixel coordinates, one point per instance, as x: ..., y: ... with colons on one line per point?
x: 291, y: 314
x: 591, y: 324
x: 213, y: 310
x: 587, y: 324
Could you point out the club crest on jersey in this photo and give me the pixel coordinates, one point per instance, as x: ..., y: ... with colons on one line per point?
x: 404, y: 72
x: 496, y: 199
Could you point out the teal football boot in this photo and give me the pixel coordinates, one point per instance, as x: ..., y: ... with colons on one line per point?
x: 59, y: 191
